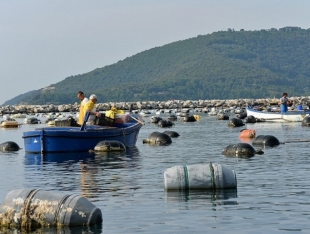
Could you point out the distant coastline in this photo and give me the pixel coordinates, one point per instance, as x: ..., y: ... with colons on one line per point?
x: 148, y: 105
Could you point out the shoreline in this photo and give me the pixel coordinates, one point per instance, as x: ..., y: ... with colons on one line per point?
x: 149, y: 105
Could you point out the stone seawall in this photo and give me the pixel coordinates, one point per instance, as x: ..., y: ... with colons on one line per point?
x: 172, y: 104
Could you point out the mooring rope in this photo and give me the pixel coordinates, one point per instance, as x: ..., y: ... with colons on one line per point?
x: 186, y: 178
x: 212, y: 176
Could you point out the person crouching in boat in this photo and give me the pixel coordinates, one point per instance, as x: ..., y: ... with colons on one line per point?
x: 90, y: 106
x: 284, y: 103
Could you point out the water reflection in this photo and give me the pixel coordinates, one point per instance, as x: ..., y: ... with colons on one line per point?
x: 217, y: 197
x: 85, y: 157
x: 89, y: 173
x: 246, y: 140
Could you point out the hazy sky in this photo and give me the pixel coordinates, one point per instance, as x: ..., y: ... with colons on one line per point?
x: 44, y: 41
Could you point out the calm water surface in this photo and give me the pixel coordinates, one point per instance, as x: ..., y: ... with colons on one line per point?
x: 273, y: 194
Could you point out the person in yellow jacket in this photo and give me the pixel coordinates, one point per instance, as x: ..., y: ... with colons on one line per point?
x: 90, y: 106
x: 80, y: 95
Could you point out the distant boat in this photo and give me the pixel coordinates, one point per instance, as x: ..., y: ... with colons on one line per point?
x: 76, y: 139
x: 290, y: 116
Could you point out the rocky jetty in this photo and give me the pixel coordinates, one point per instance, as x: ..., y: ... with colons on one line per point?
x: 171, y: 104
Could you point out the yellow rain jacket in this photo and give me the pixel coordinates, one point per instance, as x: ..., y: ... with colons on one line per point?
x: 112, y: 112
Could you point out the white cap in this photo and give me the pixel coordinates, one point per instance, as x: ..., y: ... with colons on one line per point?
x: 93, y: 96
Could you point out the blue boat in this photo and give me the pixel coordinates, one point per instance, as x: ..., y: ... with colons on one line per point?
x: 80, y: 139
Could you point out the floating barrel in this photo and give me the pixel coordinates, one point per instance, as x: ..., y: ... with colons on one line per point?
x: 240, y: 149
x: 306, y: 121
x: 109, y: 146
x: 158, y: 139
x: 234, y: 122
x: 29, y: 208
x: 172, y: 134
x: 9, y: 146
x: 247, y: 133
x: 165, y: 123
x: 155, y: 119
x: 222, y: 117
x: 266, y: 140
x: 199, y: 176
x: 173, y: 117
x: 250, y: 119
x: 189, y: 118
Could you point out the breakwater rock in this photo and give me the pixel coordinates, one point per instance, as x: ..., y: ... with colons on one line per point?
x: 171, y: 104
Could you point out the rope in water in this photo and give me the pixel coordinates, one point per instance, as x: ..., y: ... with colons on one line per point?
x: 296, y: 141
x: 186, y: 178
x: 212, y: 176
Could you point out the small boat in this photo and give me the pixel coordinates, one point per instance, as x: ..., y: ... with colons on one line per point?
x: 290, y: 116
x: 81, y: 139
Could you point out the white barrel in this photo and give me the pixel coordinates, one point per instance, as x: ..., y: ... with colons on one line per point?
x: 199, y: 176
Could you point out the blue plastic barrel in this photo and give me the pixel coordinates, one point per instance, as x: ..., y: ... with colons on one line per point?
x: 299, y: 107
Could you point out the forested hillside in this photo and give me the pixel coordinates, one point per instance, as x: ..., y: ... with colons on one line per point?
x: 222, y: 65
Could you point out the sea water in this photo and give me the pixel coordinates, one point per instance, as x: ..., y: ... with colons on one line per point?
x: 273, y: 194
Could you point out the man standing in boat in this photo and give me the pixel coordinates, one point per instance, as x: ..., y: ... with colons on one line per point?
x: 284, y: 103
x: 80, y: 95
x: 90, y: 106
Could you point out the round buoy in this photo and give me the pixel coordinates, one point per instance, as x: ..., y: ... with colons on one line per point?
x: 234, y: 122
x: 306, y: 121
x: 199, y: 176
x: 9, y: 146
x: 172, y: 134
x: 241, y: 115
x: 266, y: 140
x: 240, y: 150
x: 173, y: 118
x: 222, y: 117
x: 155, y: 119
x: 109, y: 146
x: 247, y: 133
x: 165, y: 123
x: 189, y: 118
x: 158, y: 139
x: 249, y: 119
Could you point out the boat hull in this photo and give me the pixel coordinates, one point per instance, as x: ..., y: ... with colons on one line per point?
x: 290, y: 116
x: 71, y: 139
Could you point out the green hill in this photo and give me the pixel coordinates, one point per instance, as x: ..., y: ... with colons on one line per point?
x: 222, y: 65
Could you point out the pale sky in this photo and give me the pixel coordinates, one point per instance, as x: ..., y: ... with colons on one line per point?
x: 44, y: 41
